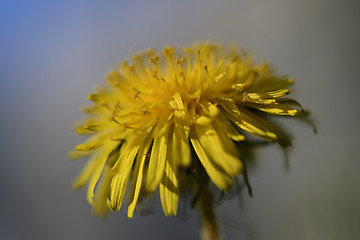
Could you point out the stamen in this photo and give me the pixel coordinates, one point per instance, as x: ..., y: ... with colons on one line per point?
x: 118, y: 106
x: 112, y: 119
x: 157, y: 71
x: 105, y: 105
x: 169, y: 55
x: 151, y: 52
x: 131, y: 68
x: 219, y: 77
x: 188, y: 57
x: 126, y: 126
x: 206, y: 69
x: 180, y: 63
x: 199, y: 58
x: 137, y: 57
x: 154, y: 60
x: 155, y: 75
x: 169, y: 51
x: 136, y: 96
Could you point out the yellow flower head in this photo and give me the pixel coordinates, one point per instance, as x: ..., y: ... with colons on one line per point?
x: 162, y: 112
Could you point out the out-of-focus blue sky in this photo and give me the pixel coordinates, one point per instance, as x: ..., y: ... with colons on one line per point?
x: 52, y: 54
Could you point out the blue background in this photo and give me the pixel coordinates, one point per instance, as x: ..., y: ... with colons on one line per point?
x: 53, y: 52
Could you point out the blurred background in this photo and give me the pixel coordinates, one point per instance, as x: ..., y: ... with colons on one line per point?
x: 52, y: 54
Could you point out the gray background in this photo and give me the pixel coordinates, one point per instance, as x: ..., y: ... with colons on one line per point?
x: 53, y: 52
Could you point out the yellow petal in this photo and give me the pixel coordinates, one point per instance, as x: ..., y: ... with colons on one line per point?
x: 158, y: 157
x: 95, y: 141
x: 80, y: 129
x: 276, y: 109
x: 86, y: 172
x: 181, y: 148
x: 117, y: 189
x: 246, y: 99
x: 271, y: 94
x: 169, y: 185
x: 202, y: 120
x: 101, y: 127
x: 219, y: 148
x: 177, y: 104
x: 138, y: 174
x: 123, y: 167
x: 251, y: 124
x: 94, y: 109
x: 102, y: 192
x: 269, y: 82
x: 218, y: 176
x: 210, y: 109
x: 75, y: 154
x: 116, y: 80
x: 104, y: 98
x: 120, y: 179
x: 227, y: 127
x: 281, y: 137
x: 108, y: 147
x: 289, y: 101
x: 124, y: 111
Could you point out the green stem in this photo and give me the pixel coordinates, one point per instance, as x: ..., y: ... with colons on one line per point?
x: 209, y: 227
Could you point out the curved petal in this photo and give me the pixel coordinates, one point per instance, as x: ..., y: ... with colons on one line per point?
x: 219, y: 148
x: 169, y: 185
x: 137, y: 179
x: 221, y: 179
x: 158, y: 157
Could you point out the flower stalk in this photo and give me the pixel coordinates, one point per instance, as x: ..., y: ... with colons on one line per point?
x: 209, y: 226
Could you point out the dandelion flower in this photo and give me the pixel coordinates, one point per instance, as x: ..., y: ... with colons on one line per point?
x: 162, y: 112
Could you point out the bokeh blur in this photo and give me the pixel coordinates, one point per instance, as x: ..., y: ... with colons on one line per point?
x: 52, y: 54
